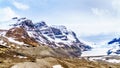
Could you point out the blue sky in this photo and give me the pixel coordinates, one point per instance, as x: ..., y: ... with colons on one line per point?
x: 86, y: 17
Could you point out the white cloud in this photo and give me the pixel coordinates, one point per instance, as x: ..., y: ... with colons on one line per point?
x: 99, y: 12
x: 7, y: 13
x: 96, y: 28
x: 116, y: 5
x: 20, y: 6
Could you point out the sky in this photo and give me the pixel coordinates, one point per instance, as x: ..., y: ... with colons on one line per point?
x: 90, y: 19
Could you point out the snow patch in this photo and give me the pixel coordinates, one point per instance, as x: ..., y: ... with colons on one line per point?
x: 57, y: 66
x: 96, y: 58
x: 17, y: 42
x: 113, y: 61
x: 20, y: 56
x: 2, y: 43
x: 71, y: 37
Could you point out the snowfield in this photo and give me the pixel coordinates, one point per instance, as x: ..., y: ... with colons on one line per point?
x: 95, y: 52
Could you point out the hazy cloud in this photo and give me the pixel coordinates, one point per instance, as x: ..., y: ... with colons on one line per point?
x: 116, y: 6
x: 20, y: 6
x: 6, y: 14
x: 99, y: 12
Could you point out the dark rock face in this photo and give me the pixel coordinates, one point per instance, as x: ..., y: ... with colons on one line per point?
x: 116, y: 46
x: 56, y: 31
x: 114, y: 40
x: 77, y: 40
x: 40, y: 24
x: 26, y: 24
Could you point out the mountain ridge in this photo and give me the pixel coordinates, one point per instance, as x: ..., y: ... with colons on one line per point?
x: 36, y: 34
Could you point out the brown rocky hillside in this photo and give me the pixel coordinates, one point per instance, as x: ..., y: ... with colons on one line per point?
x: 21, y: 35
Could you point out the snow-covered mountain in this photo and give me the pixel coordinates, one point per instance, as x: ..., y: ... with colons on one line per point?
x: 25, y: 32
x: 115, y: 46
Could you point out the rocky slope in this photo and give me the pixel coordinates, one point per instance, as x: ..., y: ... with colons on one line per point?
x: 45, y: 57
